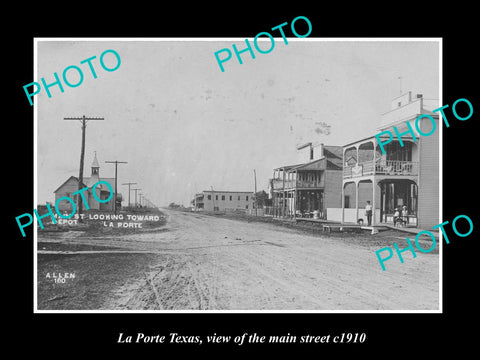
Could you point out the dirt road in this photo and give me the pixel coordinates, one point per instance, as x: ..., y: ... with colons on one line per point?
x: 205, y: 262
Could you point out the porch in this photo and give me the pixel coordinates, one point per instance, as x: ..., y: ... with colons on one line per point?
x: 385, y: 194
x: 381, y: 167
x: 299, y: 203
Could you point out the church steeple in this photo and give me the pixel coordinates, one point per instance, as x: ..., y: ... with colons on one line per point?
x: 95, y: 166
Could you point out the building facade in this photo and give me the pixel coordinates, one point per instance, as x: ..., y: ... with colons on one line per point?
x: 102, y: 191
x: 406, y: 175
x: 308, y: 189
x: 224, y: 201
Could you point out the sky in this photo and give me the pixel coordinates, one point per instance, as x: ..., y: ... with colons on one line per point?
x: 184, y: 126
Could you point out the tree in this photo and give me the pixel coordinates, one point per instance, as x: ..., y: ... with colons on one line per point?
x: 262, y: 199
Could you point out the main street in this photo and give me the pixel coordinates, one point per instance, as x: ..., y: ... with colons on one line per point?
x: 205, y: 262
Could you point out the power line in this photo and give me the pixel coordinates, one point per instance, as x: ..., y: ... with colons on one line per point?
x: 130, y: 183
x: 116, y: 162
x: 84, y: 121
x: 136, y: 196
x: 255, y: 180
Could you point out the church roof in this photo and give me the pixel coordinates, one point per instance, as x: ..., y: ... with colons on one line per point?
x: 87, y: 181
x: 71, y: 177
x: 90, y: 181
x: 95, y: 161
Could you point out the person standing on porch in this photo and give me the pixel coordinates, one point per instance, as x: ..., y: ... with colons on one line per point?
x: 405, y: 214
x: 368, y: 213
x: 396, y: 217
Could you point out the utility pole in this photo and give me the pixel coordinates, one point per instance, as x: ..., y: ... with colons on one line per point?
x: 130, y: 183
x: 116, y: 165
x: 256, y: 203
x: 136, y: 196
x: 84, y: 121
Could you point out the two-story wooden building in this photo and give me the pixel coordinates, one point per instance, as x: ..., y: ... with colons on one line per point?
x: 224, y: 201
x: 306, y: 190
x: 405, y: 175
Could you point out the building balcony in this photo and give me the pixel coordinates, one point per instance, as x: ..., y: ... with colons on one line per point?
x: 278, y: 184
x: 386, y: 167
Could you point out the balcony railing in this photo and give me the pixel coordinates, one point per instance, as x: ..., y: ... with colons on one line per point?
x: 385, y: 167
x: 297, y: 184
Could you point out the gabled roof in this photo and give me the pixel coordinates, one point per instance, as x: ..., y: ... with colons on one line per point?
x: 287, y: 167
x: 331, y: 165
x: 71, y: 177
x: 86, y: 182
x: 318, y: 164
x: 334, y: 155
x: 90, y: 181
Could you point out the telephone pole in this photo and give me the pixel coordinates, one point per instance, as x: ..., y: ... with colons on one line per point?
x: 256, y: 203
x: 84, y: 121
x: 136, y: 196
x: 130, y: 183
x: 116, y: 165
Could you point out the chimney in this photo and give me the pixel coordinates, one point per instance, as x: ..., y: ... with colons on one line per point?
x: 322, y: 154
x: 309, y: 144
x: 420, y: 97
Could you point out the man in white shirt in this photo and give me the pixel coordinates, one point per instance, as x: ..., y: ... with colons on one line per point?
x: 368, y: 213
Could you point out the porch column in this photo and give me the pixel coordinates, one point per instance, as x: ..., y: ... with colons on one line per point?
x: 294, y: 199
x: 357, y: 184
x: 273, y: 194
x: 374, y: 185
x: 343, y: 202
x: 283, y: 193
x: 382, y: 202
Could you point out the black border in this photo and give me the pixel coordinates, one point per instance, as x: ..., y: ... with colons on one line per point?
x: 386, y: 333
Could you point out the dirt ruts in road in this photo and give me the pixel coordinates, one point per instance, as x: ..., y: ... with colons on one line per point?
x: 219, y: 264
x: 222, y: 264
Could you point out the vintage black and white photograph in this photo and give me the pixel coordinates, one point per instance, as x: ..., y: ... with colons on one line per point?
x: 209, y: 175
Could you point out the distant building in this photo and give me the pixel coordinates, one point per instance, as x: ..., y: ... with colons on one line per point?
x: 224, y: 201
x: 102, y: 191
x: 406, y: 175
x: 308, y: 189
